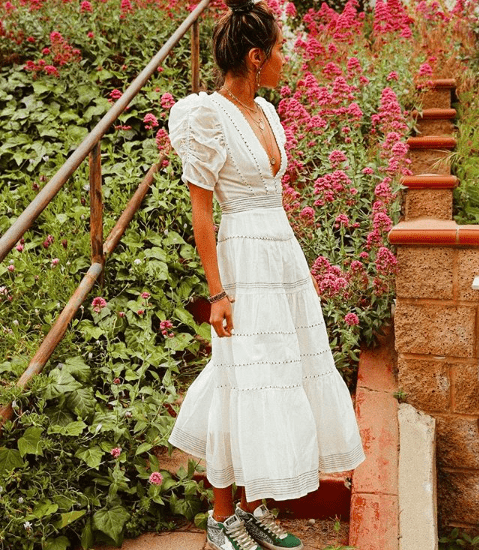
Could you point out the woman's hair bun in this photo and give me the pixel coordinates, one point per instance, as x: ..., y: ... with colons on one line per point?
x: 240, y: 5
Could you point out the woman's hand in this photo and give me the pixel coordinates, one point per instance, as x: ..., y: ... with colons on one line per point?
x: 221, y: 317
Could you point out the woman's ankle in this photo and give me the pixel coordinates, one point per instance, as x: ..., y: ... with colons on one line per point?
x: 221, y: 517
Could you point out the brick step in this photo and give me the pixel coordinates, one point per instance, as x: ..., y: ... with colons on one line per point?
x: 430, y: 181
x: 438, y: 94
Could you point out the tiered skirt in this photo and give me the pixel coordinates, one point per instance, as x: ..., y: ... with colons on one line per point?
x: 270, y: 410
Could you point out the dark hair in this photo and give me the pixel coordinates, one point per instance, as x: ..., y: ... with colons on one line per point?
x: 248, y: 25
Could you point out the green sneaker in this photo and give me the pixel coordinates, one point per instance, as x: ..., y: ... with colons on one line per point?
x: 229, y: 535
x: 262, y: 527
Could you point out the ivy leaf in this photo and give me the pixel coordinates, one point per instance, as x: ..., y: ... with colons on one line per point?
x: 71, y: 429
x: 69, y: 517
x: 31, y: 442
x: 86, y: 538
x: 143, y: 448
x: 58, y: 416
x: 44, y: 508
x: 91, y: 456
x: 81, y: 402
x: 10, y: 459
x: 63, y: 383
x: 111, y: 522
x: 58, y: 543
x: 78, y: 368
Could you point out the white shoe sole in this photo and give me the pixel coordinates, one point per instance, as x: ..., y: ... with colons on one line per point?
x: 273, y: 547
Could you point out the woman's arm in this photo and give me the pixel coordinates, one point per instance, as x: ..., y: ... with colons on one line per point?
x: 202, y: 207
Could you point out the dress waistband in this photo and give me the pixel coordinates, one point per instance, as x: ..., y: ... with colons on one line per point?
x: 255, y: 201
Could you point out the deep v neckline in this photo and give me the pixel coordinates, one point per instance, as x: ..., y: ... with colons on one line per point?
x: 245, y: 122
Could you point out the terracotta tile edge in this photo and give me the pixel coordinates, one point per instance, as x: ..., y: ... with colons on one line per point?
x: 458, y: 236
x: 443, y: 83
x: 430, y: 181
x: 432, y: 142
x: 435, y: 114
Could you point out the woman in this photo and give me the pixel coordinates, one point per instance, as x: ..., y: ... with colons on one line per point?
x: 270, y: 409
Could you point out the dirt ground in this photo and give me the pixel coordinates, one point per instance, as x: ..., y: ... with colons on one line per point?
x: 320, y: 535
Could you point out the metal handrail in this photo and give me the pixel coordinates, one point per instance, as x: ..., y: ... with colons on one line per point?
x: 99, y: 249
x: 35, y: 208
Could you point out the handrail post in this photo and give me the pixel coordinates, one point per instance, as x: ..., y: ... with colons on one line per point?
x: 96, y: 206
x: 195, y: 57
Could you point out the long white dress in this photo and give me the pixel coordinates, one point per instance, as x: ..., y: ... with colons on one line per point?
x: 270, y: 410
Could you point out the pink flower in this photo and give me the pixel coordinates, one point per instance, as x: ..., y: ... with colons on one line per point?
x: 85, y: 6
x: 55, y: 262
x: 145, y: 295
x: 19, y: 247
x: 150, y: 121
x: 164, y: 325
x: 121, y: 314
x: 11, y: 268
x: 48, y: 241
x: 50, y: 69
x: 167, y: 101
x: 140, y: 312
x: 351, y: 319
x: 98, y: 304
x: 90, y: 34
x: 115, y: 94
x: 116, y: 452
x: 425, y: 70
x: 386, y: 262
x: 290, y: 9
x: 307, y: 212
x: 156, y: 478
x: 162, y: 140
x: 46, y: 51
x: 342, y: 219
x: 336, y: 157
x: 368, y: 171
x: 392, y: 76
x: 116, y: 381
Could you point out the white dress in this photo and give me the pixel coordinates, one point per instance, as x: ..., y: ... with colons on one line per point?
x: 270, y: 410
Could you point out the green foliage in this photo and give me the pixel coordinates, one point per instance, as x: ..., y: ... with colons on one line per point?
x: 458, y: 540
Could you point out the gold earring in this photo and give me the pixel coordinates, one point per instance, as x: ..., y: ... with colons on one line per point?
x: 258, y: 76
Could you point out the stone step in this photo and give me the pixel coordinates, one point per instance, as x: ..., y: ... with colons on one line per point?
x: 438, y: 122
x: 431, y: 152
x: 438, y: 95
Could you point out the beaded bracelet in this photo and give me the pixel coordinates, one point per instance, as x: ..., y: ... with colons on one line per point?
x: 217, y: 297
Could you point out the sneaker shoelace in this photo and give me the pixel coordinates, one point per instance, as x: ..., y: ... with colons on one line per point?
x: 241, y: 536
x: 268, y: 521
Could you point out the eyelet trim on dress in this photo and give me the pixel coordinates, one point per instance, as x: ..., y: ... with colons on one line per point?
x: 284, y: 362
x: 256, y: 238
x: 246, y: 142
x: 259, y: 284
x: 228, y: 147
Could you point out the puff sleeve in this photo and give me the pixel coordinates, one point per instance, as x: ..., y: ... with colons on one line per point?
x: 197, y: 136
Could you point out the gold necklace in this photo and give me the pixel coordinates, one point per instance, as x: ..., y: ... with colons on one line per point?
x: 267, y: 143
x: 260, y: 123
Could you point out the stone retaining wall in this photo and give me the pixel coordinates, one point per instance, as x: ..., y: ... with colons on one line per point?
x: 437, y: 317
